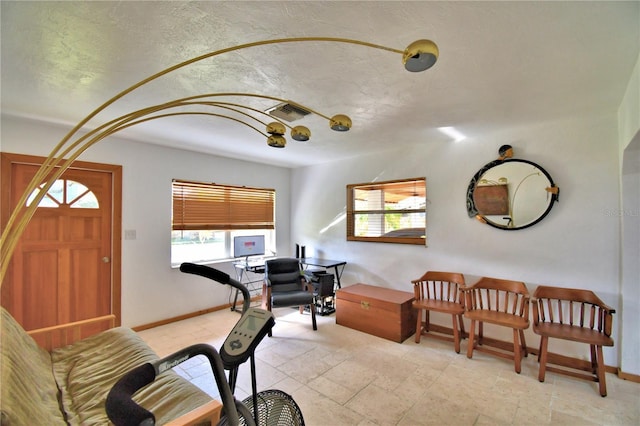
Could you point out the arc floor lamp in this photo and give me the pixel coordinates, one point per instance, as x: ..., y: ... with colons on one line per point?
x: 418, y: 56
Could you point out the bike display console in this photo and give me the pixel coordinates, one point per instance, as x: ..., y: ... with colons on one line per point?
x: 245, y: 336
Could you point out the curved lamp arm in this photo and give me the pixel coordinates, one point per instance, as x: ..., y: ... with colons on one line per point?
x: 418, y: 56
x: 52, y: 162
x: 28, y: 212
x: 413, y: 54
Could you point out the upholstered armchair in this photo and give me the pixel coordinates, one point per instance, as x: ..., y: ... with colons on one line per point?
x: 285, y: 285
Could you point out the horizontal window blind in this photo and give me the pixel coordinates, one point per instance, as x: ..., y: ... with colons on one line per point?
x: 209, y: 206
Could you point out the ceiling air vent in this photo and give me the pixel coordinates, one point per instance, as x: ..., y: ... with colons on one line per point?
x: 288, y: 112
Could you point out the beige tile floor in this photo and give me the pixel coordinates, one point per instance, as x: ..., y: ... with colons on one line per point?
x: 340, y: 376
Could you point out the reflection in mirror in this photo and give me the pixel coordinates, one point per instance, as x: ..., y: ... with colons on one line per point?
x: 512, y: 201
x: 511, y: 194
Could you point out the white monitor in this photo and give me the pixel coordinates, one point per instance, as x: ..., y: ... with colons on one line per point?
x: 249, y: 245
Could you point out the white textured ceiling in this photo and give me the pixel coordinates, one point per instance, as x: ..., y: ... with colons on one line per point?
x: 502, y: 64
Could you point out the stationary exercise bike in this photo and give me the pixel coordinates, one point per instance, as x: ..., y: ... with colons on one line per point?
x: 274, y: 407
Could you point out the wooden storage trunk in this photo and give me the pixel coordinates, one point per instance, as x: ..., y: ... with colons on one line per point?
x: 380, y: 311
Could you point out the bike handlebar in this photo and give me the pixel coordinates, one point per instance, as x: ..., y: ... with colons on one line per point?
x: 219, y: 276
x: 122, y: 410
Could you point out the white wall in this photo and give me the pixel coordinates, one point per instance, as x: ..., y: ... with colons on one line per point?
x: 629, y: 114
x: 151, y: 289
x: 630, y: 286
x: 629, y: 123
x: 576, y: 245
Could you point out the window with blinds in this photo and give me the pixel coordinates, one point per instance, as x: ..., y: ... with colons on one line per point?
x: 207, y: 216
x: 390, y: 212
x: 208, y: 206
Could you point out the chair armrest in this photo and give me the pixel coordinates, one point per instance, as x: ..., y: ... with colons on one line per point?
x: 465, y: 297
x: 607, y: 325
x: 57, y: 336
x: 608, y: 309
x: 465, y: 288
x: 209, y: 412
x: 536, y: 313
x: 308, y: 285
x: 416, y: 289
x: 266, y: 296
x: 608, y: 319
x: 526, y: 302
x: 462, y: 295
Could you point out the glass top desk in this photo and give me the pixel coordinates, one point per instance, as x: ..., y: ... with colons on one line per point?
x: 253, y: 282
x: 337, y: 265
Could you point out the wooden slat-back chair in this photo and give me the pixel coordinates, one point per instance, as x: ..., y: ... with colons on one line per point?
x: 578, y: 316
x: 439, y: 292
x: 500, y: 302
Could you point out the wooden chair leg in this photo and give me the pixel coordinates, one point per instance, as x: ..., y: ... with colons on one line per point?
x: 594, y: 359
x: 267, y: 306
x: 517, y: 350
x: 539, y: 349
x: 544, y: 341
x: 480, y: 332
x: 418, y: 326
x: 601, y: 372
x: 456, y: 334
x: 523, y: 343
x: 462, y: 332
x: 426, y: 320
x: 472, y: 332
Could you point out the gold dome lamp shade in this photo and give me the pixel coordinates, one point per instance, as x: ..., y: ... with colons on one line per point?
x: 276, y: 141
x: 420, y: 55
x: 276, y: 128
x: 340, y: 123
x: 300, y: 134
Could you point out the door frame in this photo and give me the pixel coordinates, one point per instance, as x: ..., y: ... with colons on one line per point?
x: 8, y: 159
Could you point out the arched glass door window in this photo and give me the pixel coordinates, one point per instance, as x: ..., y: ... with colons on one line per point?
x: 66, y: 192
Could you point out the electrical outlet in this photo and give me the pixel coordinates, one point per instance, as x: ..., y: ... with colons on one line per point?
x: 129, y: 234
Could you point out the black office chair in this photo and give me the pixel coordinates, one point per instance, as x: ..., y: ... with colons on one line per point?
x: 285, y: 285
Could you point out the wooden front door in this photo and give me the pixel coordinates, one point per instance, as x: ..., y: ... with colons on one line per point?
x: 66, y: 265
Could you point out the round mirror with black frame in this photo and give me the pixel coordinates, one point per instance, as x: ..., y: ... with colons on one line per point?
x: 510, y: 193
